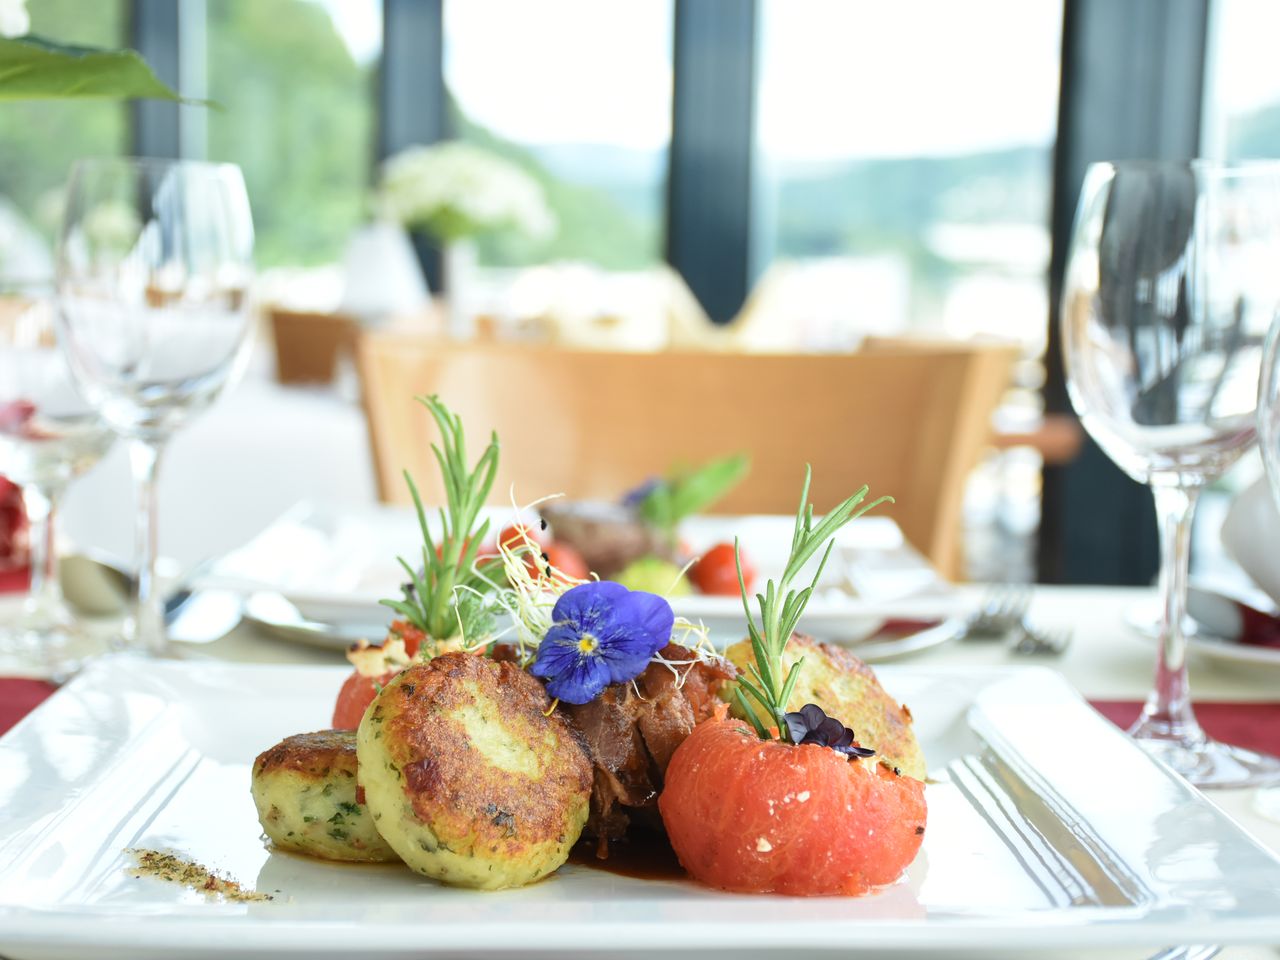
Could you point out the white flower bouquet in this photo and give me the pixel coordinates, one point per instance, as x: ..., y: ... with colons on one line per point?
x: 454, y: 190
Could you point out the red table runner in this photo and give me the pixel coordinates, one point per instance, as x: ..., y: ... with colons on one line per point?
x: 1255, y: 726
x: 19, y: 697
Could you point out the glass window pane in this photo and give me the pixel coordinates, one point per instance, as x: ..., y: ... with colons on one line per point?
x: 296, y: 80
x: 1242, y: 103
x: 39, y: 140
x: 579, y: 93
x: 908, y: 169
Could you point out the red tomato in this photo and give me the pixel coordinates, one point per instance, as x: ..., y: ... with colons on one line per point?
x: 769, y: 817
x: 563, y: 559
x: 514, y: 536
x: 567, y: 560
x: 410, y: 634
x: 482, y: 552
x: 356, y: 694
x: 716, y: 572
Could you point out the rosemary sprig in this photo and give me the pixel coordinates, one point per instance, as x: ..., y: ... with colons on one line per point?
x: 449, y: 569
x: 781, y: 607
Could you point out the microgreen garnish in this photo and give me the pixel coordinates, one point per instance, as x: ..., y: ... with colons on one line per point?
x: 781, y: 607
x: 447, y: 595
x: 532, y: 588
x: 664, y: 502
x: 810, y: 724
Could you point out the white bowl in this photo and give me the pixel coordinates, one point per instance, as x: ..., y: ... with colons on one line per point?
x: 1251, y: 536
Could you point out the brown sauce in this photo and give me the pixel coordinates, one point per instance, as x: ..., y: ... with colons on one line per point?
x: 642, y: 857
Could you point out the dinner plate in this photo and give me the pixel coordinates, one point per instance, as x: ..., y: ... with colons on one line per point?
x: 1047, y: 830
x: 334, y: 562
x: 275, y: 615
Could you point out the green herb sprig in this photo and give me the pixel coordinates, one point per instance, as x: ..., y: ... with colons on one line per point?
x: 443, y: 598
x: 781, y: 607
x: 686, y: 492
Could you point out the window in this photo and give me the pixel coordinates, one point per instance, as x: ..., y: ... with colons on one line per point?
x: 296, y: 80
x: 904, y: 156
x: 578, y: 93
x: 1242, y: 86
x: 39, y: 140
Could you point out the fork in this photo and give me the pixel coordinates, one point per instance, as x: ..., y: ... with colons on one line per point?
x: 1032, y: 640
x: 1002, y: 610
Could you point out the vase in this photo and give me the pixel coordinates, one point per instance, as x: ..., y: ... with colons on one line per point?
x: 458, y: 278
x: 381, y: 274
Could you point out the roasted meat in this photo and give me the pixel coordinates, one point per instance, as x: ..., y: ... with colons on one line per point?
x: 631, y: 731
x: 607, y: 535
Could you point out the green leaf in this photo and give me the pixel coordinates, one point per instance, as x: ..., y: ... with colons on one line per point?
x: 33, y: 68
x: 692, y: 491
x: 750, y: 714
x: 449, y: 564
x: 781, y: 607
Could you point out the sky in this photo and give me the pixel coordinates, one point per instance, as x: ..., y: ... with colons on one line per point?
x: 838, y: 78
x: 359, y: 23
x: 1242, y: 68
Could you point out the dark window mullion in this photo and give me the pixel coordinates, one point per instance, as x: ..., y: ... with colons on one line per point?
x: 1132, y: 82
x: 153, y: 28
x: 411, y: 92
x: 709, y: 184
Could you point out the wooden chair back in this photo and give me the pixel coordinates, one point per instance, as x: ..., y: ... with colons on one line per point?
x: 308, y: 344
x: 910, y: 423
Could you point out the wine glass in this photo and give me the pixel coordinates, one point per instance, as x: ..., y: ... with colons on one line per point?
x: 48, y: 436
x: 153, y: 268
x: 1170, y: 288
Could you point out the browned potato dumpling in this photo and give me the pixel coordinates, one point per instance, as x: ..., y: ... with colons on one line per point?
x: 307, y: 798
x: 847, y: 689
x: 469, y: 779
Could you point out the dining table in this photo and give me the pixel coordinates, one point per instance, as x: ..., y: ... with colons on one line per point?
x: 1108, y: 661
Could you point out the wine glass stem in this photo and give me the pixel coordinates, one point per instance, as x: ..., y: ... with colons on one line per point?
x: 1168, y: 713
x: 44, y: 595
x: 148, y: 614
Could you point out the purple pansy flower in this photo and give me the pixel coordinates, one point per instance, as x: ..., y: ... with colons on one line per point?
x: 810, y: 724
x: 603, y: 633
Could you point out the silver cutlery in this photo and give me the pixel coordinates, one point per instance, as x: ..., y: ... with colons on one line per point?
x: 1003, y: 609
x: 1003, y: 614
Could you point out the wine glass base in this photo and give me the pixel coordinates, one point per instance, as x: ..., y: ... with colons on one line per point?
x: 47, y: 646
x: 1207, y: 763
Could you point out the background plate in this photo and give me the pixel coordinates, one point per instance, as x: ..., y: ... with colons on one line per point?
x: 1046, y: 827
x: 334, y: 563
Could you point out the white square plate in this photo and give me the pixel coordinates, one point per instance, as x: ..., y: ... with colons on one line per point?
x: 1047, y: 828
x: 334, y: 563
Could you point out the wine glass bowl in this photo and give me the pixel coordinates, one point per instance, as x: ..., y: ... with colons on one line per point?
x: 48, y: 436
x: 153, y: 268
x: 1170, y: 290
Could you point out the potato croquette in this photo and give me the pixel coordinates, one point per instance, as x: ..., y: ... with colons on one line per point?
x: 308, y: 801
x: 470, y: 777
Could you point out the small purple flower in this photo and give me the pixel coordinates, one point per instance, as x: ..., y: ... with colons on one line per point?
x: 603, y: 633
x: 811, y: 725
x: 638, y: 494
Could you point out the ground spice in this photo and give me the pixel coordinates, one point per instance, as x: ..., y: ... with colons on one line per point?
x: 173, y: 868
